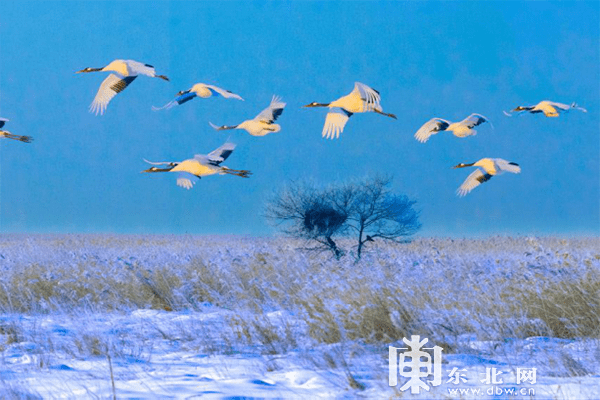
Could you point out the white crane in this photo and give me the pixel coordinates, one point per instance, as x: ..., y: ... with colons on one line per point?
x: 361, y: 99
x: 124, y: 72
x: 549, y: 108
x: 460, y: 129
x: 189, y: 171
x: 487, y: 167
x: 263, y: 123
x: 198, y: 90
x: 8, y: 135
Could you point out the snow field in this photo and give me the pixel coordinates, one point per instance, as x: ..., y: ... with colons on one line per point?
x: 178, y: 316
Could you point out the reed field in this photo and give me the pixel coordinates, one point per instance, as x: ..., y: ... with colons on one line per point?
x: 118, y: 307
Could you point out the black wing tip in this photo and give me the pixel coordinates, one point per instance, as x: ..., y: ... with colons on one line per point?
x: 484, y: 178
x: 442, y: 125
x: 226, y: 153
x: 122, y: 84
x: 277, y: 112
x: 348, y: 113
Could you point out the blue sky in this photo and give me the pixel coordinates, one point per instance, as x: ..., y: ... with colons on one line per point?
x: 427, y: 59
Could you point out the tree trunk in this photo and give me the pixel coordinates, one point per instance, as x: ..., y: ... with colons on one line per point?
x: 338, y: 253
x: 360, y: 242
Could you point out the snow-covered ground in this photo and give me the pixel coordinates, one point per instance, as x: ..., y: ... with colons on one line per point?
x: 228, y: 317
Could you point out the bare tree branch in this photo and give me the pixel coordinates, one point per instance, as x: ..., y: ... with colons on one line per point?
x: 367, y: 208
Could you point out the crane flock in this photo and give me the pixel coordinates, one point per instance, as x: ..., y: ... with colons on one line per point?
x: 362, y: 99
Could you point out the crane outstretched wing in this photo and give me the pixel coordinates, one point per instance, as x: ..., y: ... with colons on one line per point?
x: 431, y: 127
x: 474, y: 120
x: 334, y: 122
x: 475, y: 179
x: 138, y: 68
x: 551, y: 108
x: 109, y: 88
x: 271, y: 113
x: 368, y: 94
x: 2, y: 122
x: 222, y: 92
x: 219, y: 155
x: 167, y: 106
x: 186, y: 180
x: 178, y: 100
x: 507, y: 166
x: 561, y: 106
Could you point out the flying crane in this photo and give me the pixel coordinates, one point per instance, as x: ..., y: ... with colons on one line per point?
x: 191, y: 170
x: 124, y: 72
x: 361, y: 99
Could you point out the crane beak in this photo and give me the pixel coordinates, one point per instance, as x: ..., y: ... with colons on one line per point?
x: 154, y: 169
x: 315, y: 104
x: 89, y: 70
x: 463, y: 165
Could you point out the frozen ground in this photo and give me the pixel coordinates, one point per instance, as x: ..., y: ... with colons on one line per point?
x: 223, y: 317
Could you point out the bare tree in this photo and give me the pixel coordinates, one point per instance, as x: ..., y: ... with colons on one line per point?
x: 307, y: 213
x: 368, y: 209
x: 375, y: 212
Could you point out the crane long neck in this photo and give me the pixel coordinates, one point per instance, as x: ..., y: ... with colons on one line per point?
x: 169, y: 168
x: 465, y: 165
